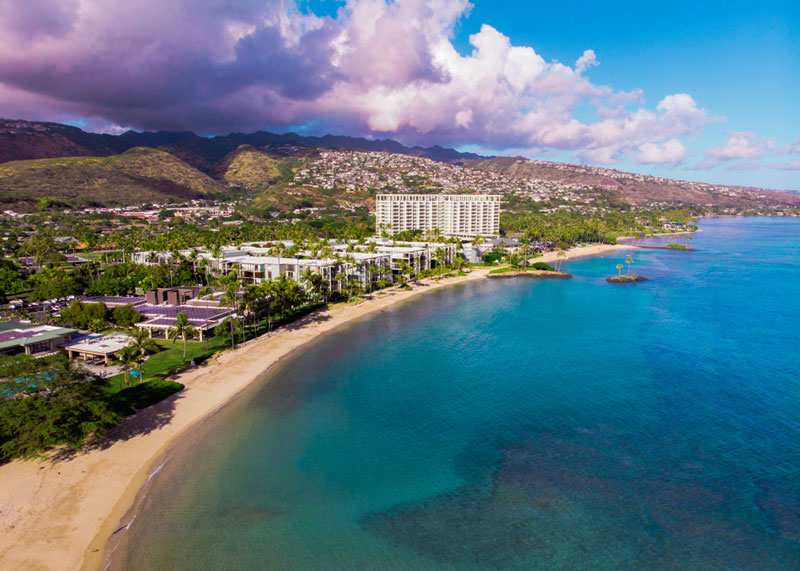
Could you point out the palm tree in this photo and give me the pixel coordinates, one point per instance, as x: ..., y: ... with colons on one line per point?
x: 181, y: 328
x: 339, y: 278
x: 371, y: 271
x: 560, y: 256
x: 128, y: 357
x: 142, y: 342
x: 313, y: 281
x: 524, y: 250
x: 619, y: 269
x: 629, y: 261
x: 477, y: 242
x: 216, y: 252
x: 249, y: 305
x: 229, y: 284
x: 352, y: 287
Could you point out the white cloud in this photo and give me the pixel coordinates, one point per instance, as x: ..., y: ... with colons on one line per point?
x: 786, y: 166
x: 669, y: 152
x: 740, y: 145
x: 793, y: 148
x: 378, y: 66
x: 587, y: 60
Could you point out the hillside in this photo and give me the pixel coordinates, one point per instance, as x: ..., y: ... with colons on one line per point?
x: 23, y: 140
x: 289, y: 170
x: 137, y: 176
x: 633, y: 188
x: 249, y: 167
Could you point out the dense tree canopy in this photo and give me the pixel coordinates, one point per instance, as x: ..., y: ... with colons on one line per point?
x: 52, y: 402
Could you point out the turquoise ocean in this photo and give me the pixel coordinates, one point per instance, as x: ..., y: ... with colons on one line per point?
x: 517, y: 424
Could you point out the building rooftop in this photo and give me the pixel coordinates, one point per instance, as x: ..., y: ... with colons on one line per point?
x: 115, y: 300
x: 98, y: 344
x: 27, y: 335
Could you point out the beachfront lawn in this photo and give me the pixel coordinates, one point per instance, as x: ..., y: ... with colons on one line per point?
x: 354, y: 301
x: 537, y: 267
x: 167, y: 361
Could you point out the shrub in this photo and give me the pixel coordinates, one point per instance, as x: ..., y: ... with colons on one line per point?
x: 125, y: 315
x: 543, y: 266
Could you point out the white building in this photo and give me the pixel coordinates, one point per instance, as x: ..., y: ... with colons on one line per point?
x: 463, y: 215
x: 373, y: 259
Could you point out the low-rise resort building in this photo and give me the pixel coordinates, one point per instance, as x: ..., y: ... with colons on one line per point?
x: 374, y: 259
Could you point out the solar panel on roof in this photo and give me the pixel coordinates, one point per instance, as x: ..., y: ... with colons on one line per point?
x: 11, y: 335
x: 168, y: 321
x: 192, y: 312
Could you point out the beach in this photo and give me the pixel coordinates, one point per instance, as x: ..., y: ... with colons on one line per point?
x: 61, y: 514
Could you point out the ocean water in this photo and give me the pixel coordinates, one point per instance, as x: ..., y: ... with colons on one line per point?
x: 518, y: 424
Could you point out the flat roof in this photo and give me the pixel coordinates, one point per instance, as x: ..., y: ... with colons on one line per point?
x: 23, y: 336
x: 191, y: 311
x: 98, y: 344
x: 115, y: 300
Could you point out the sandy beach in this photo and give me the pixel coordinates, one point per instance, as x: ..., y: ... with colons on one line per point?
x: 60, y: 513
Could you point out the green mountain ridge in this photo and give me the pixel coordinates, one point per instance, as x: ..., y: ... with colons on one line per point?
x: 137, y: 176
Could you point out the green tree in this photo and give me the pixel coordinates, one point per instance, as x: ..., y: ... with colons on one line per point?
x: 57, y: 403
x: 53, y: 283
x: 229, y: 284
x: 128, y: 357
x: 142, y: 342
x: 561, y: 255
x: 125, y: 315
x: 181, y: 328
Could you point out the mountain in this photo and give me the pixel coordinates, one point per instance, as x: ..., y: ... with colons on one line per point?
x: 65, y: 163
x: 137, y: 176
x: 21, y: 140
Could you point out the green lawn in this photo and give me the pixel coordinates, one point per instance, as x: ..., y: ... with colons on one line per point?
x: 507, y: 269
x: 162, y: 364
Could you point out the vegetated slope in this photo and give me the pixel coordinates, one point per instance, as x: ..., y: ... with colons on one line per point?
x: 202, y: 153
x: 137, y: 176
x: 635, y: 188
x: 249, y: 167
x: 23, y: 140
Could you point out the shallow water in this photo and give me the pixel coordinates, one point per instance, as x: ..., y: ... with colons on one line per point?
x: 518, y: 424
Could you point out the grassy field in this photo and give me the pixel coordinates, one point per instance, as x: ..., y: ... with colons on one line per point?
x: 506, y: 269
x: 161, y: 365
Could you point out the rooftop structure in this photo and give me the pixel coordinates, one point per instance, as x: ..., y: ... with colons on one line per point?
x: 96, y: 346
x: 114, y: 301
x: 35, y: 339
x: 462, y: 215
x: 160, y: 318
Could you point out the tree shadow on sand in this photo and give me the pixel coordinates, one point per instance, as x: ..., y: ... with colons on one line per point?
x: 140, y: 423
x: 318, y: 316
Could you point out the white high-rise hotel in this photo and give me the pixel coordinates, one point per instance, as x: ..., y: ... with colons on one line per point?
x: 463, y: 215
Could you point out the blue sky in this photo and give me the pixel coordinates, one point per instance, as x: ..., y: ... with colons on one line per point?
x: 739, y: 60
x: 693, y: 90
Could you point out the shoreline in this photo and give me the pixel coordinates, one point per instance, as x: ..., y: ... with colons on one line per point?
x: 62, y: 515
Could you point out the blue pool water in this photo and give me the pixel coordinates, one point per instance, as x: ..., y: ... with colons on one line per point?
x: 518, y: 424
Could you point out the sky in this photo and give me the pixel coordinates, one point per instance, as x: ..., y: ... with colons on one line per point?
x: 703, y: 90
